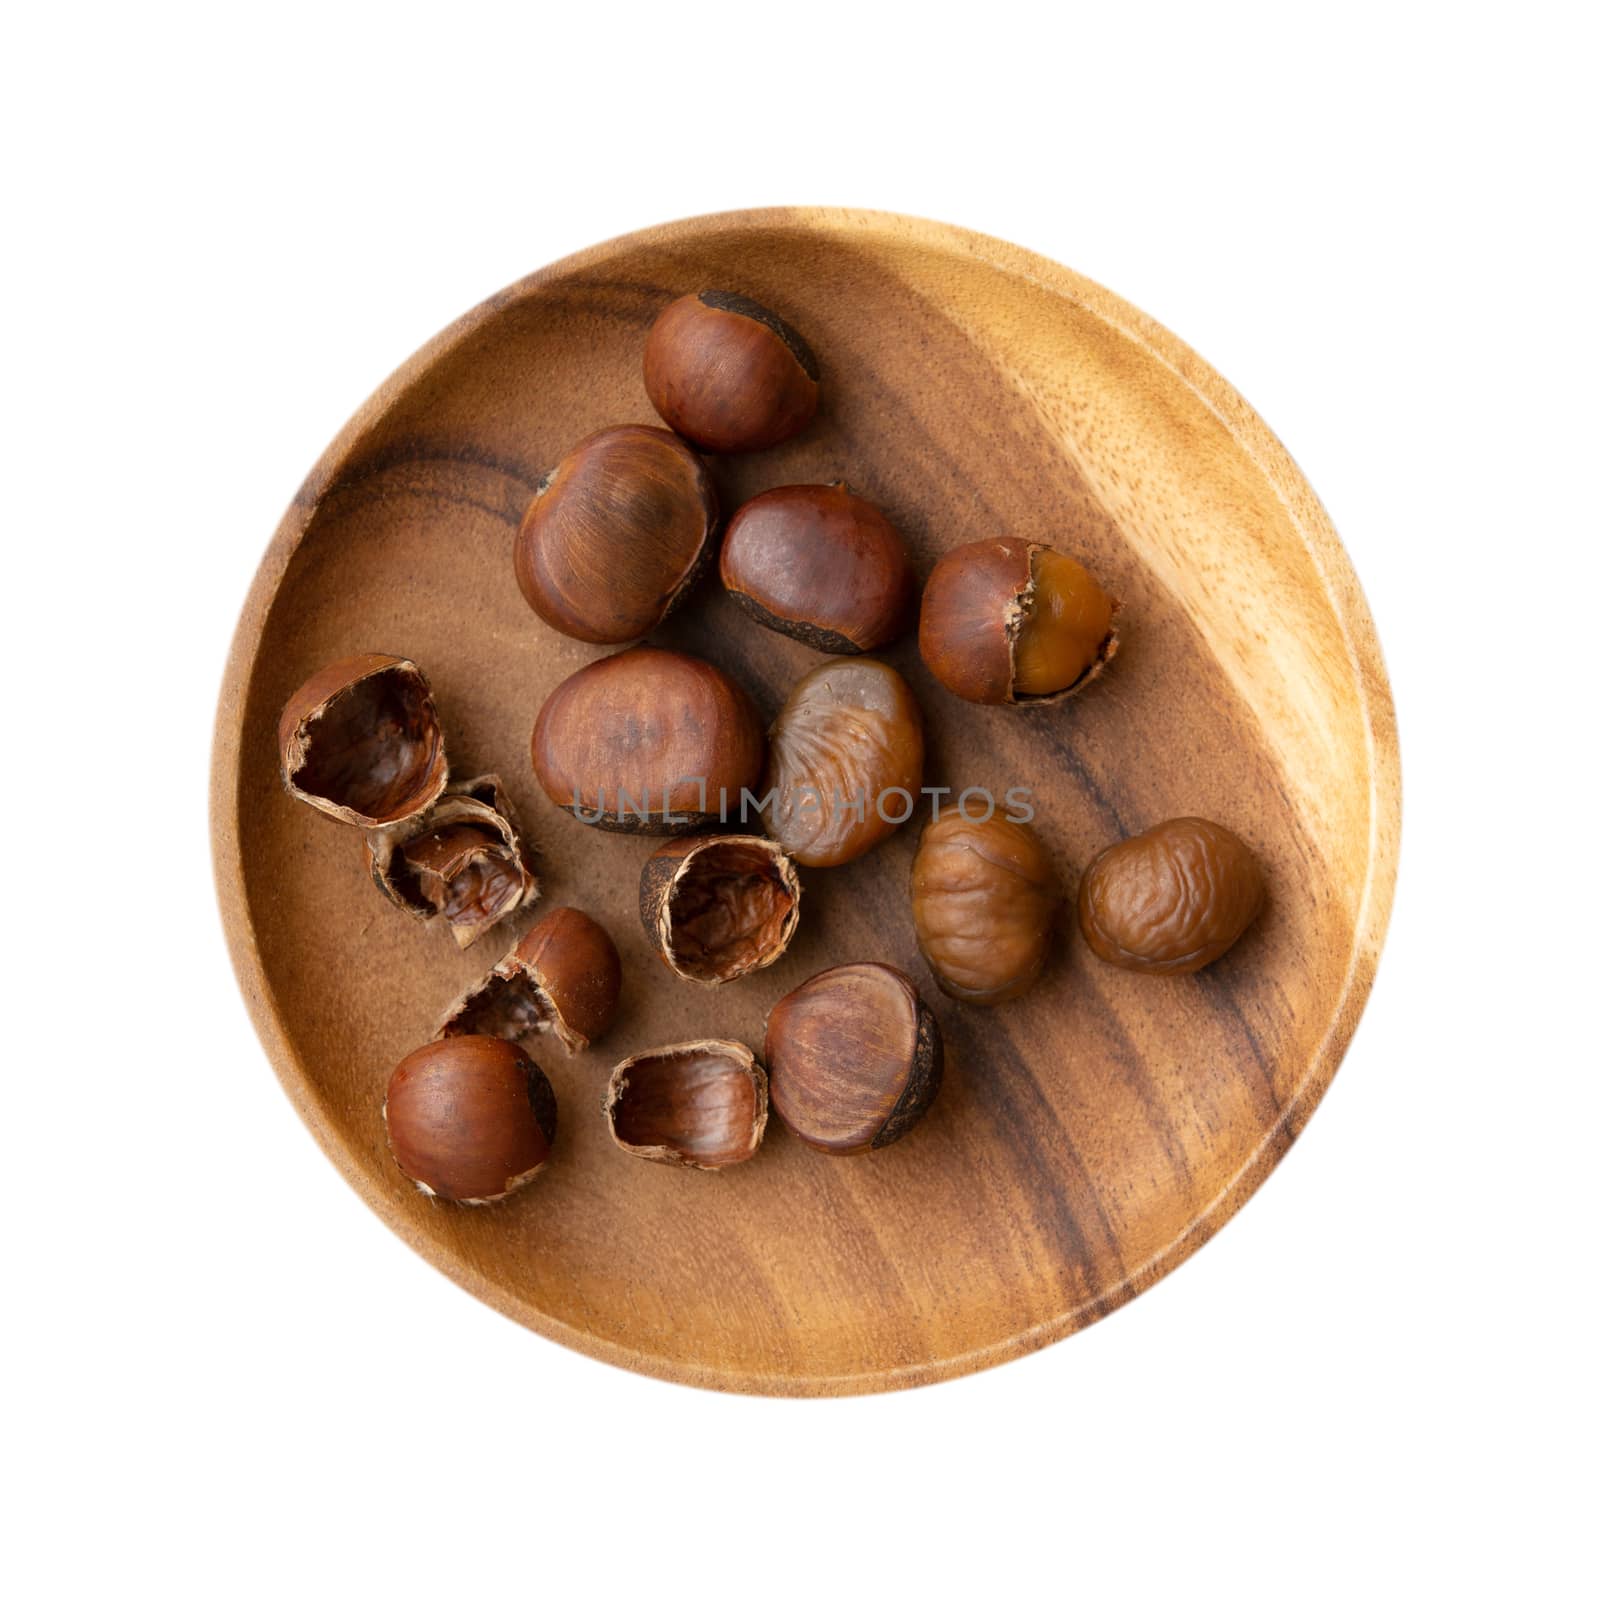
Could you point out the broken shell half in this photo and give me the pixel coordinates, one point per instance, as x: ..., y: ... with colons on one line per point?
x: 701, y: 1104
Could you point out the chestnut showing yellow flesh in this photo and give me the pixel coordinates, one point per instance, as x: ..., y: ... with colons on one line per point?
x: 845, y: 762
x: 984, y: 898
x: 470, y: 1119
x: 717, y: 906
x: 648, y: 741
x: 1171, y: 899
x: 616, y: 534
x: 1006, y: 622
x: 822, y: 565
x: 701, y: 1104
x: 854, y: 1058
x: 360, y: 740
x: 728, y: 374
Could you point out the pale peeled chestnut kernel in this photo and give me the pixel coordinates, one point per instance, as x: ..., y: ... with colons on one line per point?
x: 700, y: 1104
x: 1064, y: 629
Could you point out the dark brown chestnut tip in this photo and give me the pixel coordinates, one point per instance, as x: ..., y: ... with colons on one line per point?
x: 361, y: 741
x: 718, y: 906
x: 562, y: 976
x: 701, y: 1104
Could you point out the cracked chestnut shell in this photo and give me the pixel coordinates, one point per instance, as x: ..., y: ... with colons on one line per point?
x: 984, y: 898
x: 718, y: 906
x: 699, y: 1104
x: 854, y: 1058
x: 360, y: 740
x: 470, y: 1119
x: 618, y: 532
x: 729, y: 374
x: 1171, y: 899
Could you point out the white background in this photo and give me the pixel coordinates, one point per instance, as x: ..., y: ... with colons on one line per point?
x: 225, y: 228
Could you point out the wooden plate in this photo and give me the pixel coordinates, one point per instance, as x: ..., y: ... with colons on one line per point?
x: 1090, y: 1136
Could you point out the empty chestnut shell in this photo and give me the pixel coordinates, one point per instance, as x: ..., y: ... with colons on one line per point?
x: 648, y: 741
x: 360, y: 740
x: 854, y: 1058
x: 822, y: 565
x: 984, y: 898
x: 701, y: 1104
x: 1171, y: 899
x: 616, y: 534
x: 563, y: 975
x: 1006, y: 622
x: 728, y: 374
x: 717, y: 906
x: 470, y: 1119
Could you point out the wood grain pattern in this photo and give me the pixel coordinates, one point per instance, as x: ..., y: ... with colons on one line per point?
x: 1089, y: 1136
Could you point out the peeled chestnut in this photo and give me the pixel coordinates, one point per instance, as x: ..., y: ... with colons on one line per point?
x: 854, y: 1058
x: 728, y: 374
x: 845, y: 762
x: 618, y: 531
x: 717, y: 906
x: 701, y: 1104
x: 360, y: 740
x: 470, y: 1119
x: 1006, y: 622
x: 648, y: 741
x: 563, y: 975
x: 984, y: 897
x: 821, y: 565
x: 1171, y: 899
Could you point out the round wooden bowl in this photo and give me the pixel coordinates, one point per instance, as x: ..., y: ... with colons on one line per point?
x: 1090, y: 1136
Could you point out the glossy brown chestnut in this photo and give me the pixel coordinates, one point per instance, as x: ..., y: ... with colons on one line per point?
x: 648, y: 741
x: 360, y: 740
x: 844, y: 764
x: 470, y: 1119
x: 854, y: 1058
x: 619, y: 530
x: 700, y: 1104
x: 729, y: 374
x: 562, y: 976
x: 717, y: 906
x: 1171, y: 899
x: 1006, y: 622
x: 822, y: 565
x: 984, y: 898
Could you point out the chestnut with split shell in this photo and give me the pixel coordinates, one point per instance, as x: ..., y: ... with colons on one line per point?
x: 699, y: 1104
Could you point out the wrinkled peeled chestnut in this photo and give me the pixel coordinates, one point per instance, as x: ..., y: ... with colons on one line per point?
x: 648, y: 741
x: 1006, y: 622
x: 728, y: 374
x: 562, y: 976
x: 360, y: 740
x: 717, y: 906
x: 854, y: 1058
x: 461, y: 858
x: 701, y: 1104
x: 616, y: 534
x: 822, y: 565
x: 1171, y: 899
x: 984, y: 898
x: 844, y: 762
x: 470, y: 1119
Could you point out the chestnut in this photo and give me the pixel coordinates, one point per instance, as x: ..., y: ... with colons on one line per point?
x: 728, y: 374
x: 717, y: 906
x: 616, y: 534
x: 845, y: 762
x: 700, y: 1104
x: 822, y: 565
x: 563, y: 975
x: 647, y: 741
x: 984, y: 898
x: 854, y: 1058
x: 1171, y: 899
x: 1007, y: 622
x: 470, y: 1119
x: 361, y: 741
